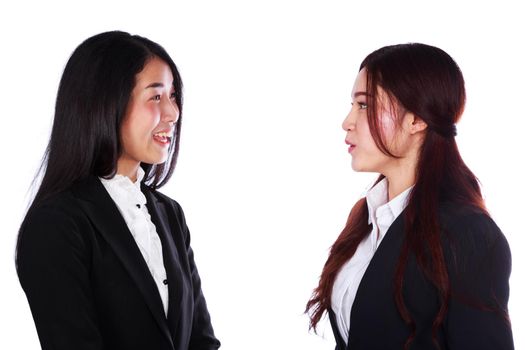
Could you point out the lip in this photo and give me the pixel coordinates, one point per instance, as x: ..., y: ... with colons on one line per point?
x: 164, y: 140
x: 168, y: 131
x: 351, y: 146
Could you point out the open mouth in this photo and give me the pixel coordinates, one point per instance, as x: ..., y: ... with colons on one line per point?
x: 351, y: 146
x: 163, y: 137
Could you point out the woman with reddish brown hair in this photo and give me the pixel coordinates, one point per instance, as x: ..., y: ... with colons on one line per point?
x: 420, y: 264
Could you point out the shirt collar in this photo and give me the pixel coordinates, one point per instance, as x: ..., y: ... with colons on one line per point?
x: 399, y: 203
x: 377, y: 196
x: 122, y: 179
x: 124, y: 189
x: 140, y: 176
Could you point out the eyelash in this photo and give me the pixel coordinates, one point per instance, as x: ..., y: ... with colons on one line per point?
x: 362, y: 105
x: 173, y: 96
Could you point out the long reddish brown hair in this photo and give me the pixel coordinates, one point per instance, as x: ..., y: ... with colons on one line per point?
x: 426, y: 81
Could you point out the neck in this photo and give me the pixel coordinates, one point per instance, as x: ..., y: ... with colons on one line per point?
x: 400, y: 178
x: 128, y: 168
x: 401, y: 172
x: 397, y: 185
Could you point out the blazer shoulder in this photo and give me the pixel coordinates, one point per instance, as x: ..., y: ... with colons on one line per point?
x: 471, y: 238
x: 161, y: 197
x: 469, y: 224
x: 55, y: 227
x: 479, y: 264
x: 59, y: 208
x: 62, y: 217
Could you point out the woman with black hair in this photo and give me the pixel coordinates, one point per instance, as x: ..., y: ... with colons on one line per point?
x: 103, y: 257
x: 420, y: 263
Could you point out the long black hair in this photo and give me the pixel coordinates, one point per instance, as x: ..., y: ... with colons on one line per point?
x: 91, y: 103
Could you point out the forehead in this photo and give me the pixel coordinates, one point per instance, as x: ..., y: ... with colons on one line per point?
x: 383, y: 99
x: 360, y: 82
x: 154, y: 71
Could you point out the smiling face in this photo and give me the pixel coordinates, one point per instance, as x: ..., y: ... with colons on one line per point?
x: 148, y: 125
x: 397, y: 134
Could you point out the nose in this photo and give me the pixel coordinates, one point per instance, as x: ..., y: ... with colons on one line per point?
x: 349, y: 121
x: 170, y: 111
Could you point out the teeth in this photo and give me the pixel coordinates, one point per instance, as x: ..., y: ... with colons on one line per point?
x: 163, y: 134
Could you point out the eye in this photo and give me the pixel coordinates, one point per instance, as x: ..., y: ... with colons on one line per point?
x: 361, y: 105
x: 173, y: 96
x: 156, y: 98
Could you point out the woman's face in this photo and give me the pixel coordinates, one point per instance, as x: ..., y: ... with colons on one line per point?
x: 366, y: 156
x: 148, y: 126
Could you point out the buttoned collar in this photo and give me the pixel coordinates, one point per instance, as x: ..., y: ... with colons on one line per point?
x: 124, y: 191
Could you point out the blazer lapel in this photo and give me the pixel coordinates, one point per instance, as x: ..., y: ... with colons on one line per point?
x: 340, y: 343
x: 377, y: 282
x: 106, y: 217
x: 161, y: 219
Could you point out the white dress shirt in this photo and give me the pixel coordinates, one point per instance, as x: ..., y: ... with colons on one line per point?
x: 131, y: 203
x: 381, y: 214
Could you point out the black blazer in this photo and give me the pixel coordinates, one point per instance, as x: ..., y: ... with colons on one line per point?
x: 89, y: 287
x: 478, y: 262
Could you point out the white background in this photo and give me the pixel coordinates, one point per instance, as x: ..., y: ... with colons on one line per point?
x: 263, y: 175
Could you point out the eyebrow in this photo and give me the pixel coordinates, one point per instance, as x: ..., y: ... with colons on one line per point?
x: 361, y: 93
x: 154, y: 85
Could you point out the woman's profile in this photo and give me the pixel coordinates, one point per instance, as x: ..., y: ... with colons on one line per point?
x: 420, y: 264
x: 104, y: 258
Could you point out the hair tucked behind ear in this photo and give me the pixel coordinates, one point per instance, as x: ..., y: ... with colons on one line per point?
x: 427, y: 82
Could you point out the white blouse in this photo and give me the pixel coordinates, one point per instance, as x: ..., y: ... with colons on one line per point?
x: 131, y: 203
x: 381, y: 214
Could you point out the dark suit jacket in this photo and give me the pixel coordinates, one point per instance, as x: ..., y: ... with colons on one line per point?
x: 478, y: 262
x: 89, y: 287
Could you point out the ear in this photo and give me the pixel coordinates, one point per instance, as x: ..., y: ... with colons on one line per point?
x: 414, y: 124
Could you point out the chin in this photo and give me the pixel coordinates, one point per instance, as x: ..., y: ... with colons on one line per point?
x: 363, y: 169
x: 157, y: 160
x: 163, y: 160
x: 357, y: 167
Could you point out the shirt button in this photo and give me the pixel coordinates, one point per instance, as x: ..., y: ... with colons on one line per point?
x: 138, y: 206
x: 165, y: 282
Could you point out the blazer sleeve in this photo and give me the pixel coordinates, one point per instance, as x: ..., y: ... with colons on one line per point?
x: 479, y: 271
x: 202, y: 334
x: 53, y: 268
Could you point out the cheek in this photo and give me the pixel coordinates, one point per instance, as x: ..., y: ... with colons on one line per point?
x: 133, y: 133
x: 371, y: 154
x: 365, y: 135
x: 150, y: 110
x: 388, y: 126
x: 150, y: 118
x: 391, y: 132
x: 143, y: 121
x: 126, y: 132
